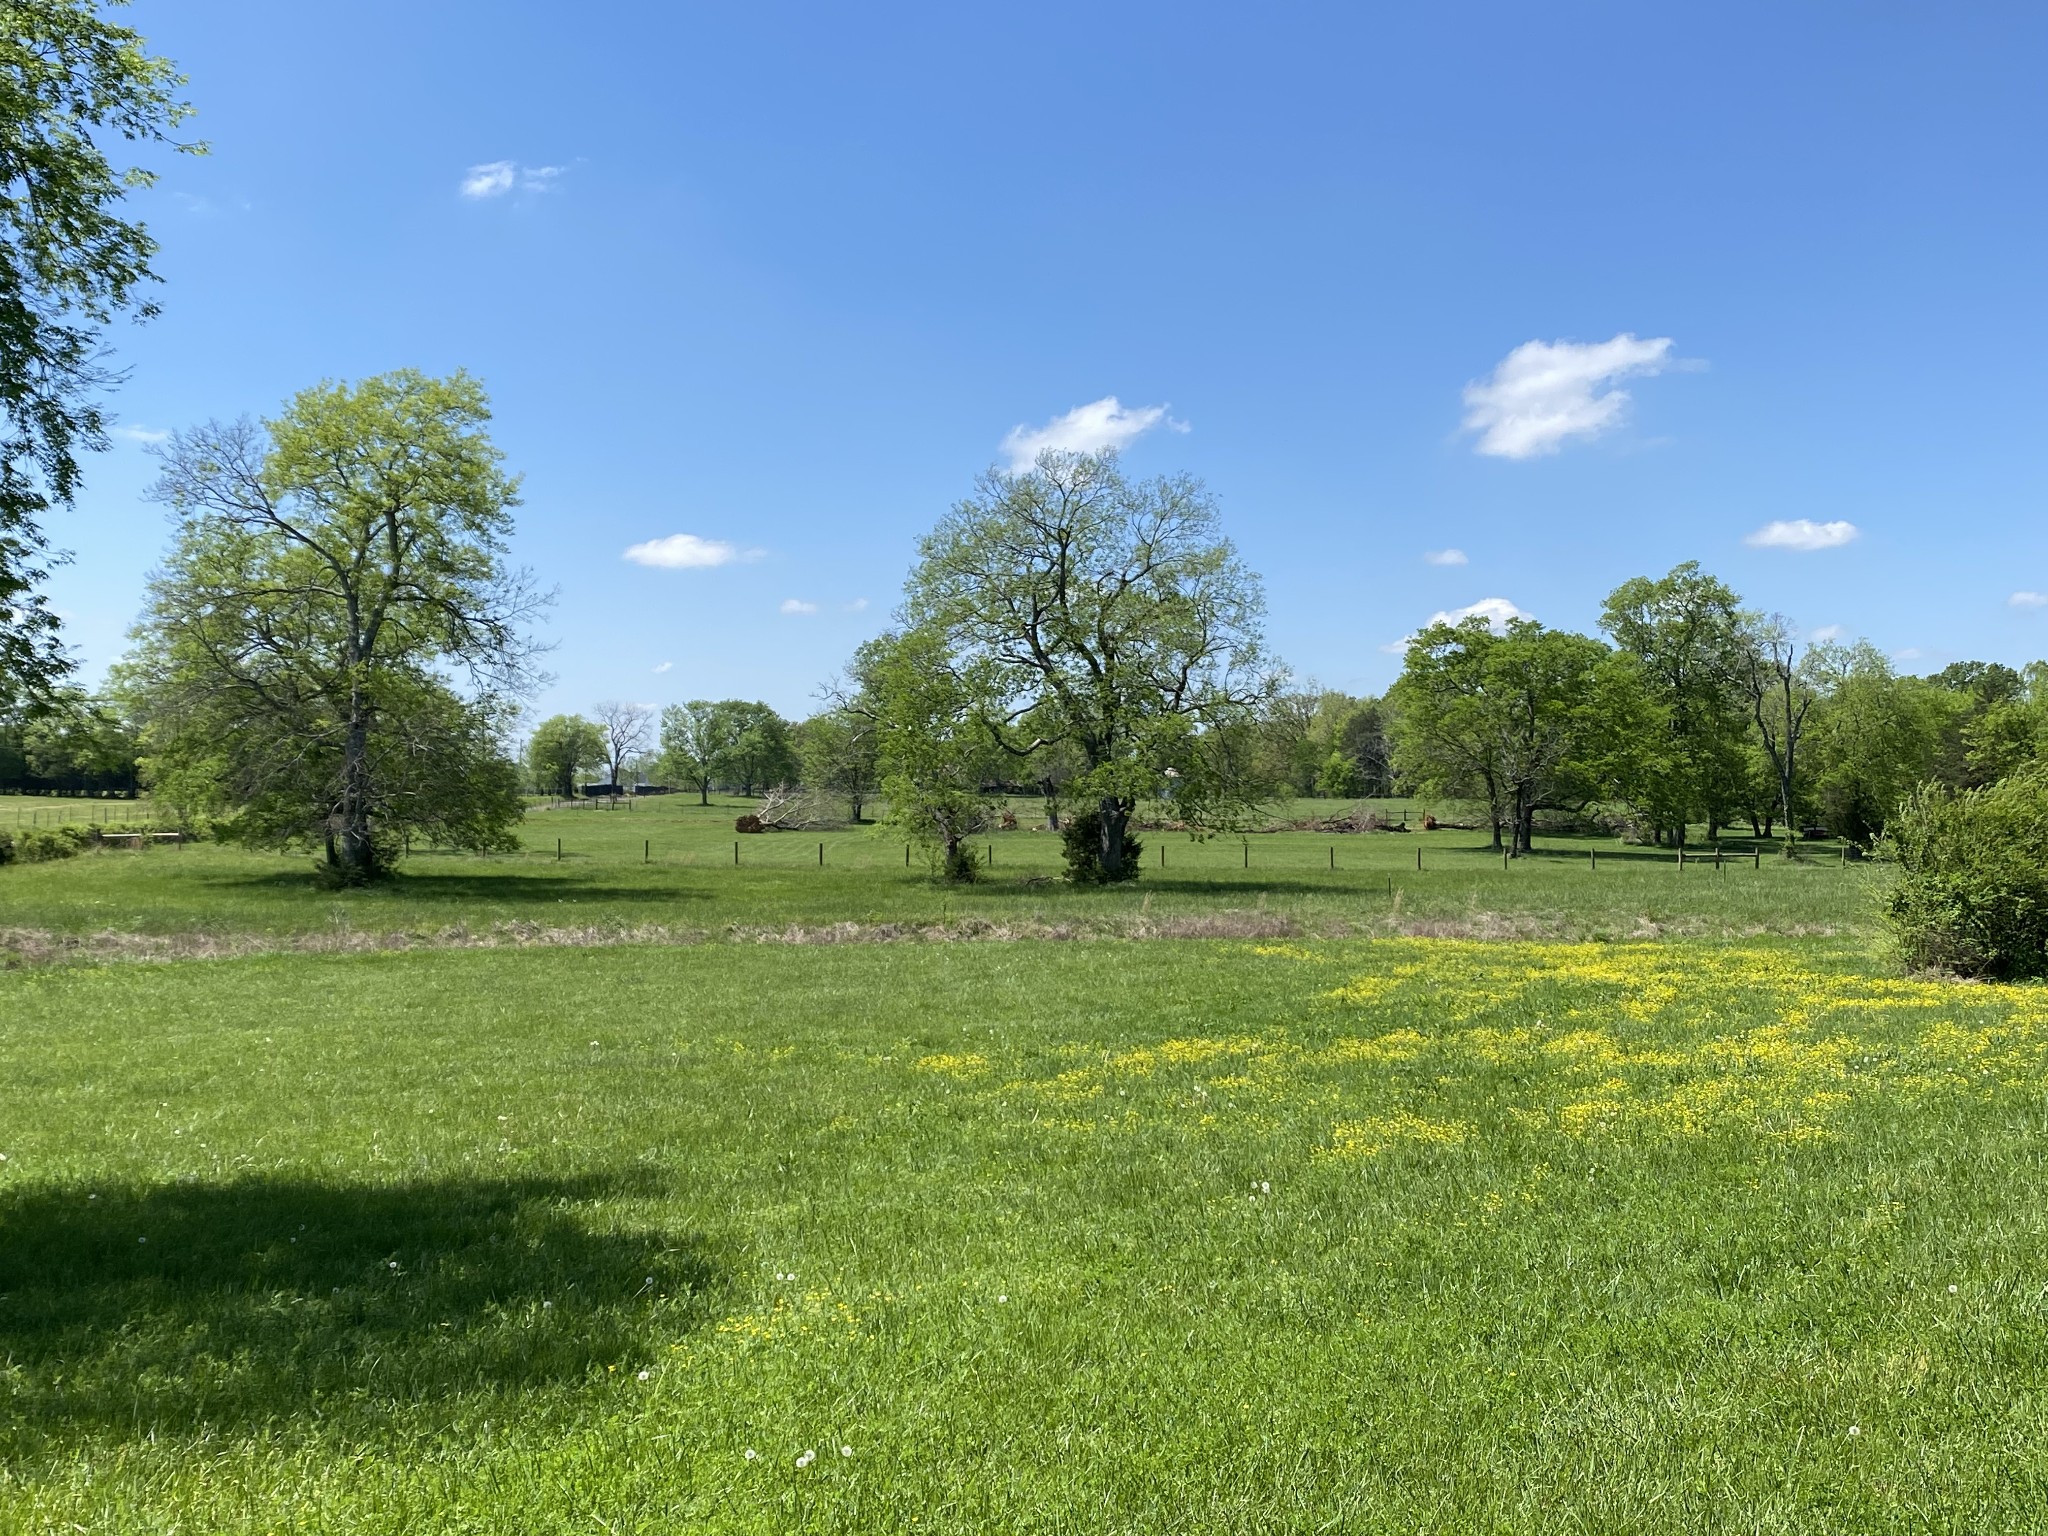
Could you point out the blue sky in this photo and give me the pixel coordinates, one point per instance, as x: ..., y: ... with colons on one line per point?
x: 784, y: 279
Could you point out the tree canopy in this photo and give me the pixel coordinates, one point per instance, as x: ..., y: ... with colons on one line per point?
x: 1103, y: 613
x: 332, y: 570
x: 70, y: 261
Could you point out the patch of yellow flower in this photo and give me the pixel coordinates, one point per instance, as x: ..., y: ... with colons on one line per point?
x: 1436, y: 1042
x: 1375, y: 1133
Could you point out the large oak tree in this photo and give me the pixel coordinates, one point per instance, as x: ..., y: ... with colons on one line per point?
x: 336, y: 573
x: 1109, y: 615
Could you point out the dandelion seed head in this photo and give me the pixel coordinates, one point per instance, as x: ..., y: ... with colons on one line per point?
x: 846, y: 1450
x: 1855, y: 1430
x: 644, y: 1375
x: 1951, y: 1290
x: 752, y: 1454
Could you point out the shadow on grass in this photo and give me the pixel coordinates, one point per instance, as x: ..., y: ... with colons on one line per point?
x: 194, y: 1306
x: 480, y: 885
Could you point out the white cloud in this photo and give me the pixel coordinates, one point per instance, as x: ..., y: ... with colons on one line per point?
x: 143, y: 434
x: 685, y: 551
x: 1545, y: 393
x: 662, y: 666
x: 858, y: 605
x: 1803, y: 533
x: 1909, y: 653
x: 2028, y: 600
x: 1444, y: 556
x: 501, y: 176
x: 1826, y: 634
x: 1495, y: 610
x: 798, y: 605
x: 1090, y: 428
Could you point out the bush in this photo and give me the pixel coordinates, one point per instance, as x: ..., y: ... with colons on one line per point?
x: 1972, y: 891
x: 33, y: 845
x: 1081, y: 842
x: 962, y: 866
x: 749, y: 823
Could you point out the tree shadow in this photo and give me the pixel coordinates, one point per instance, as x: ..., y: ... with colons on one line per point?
x: 478, y: 886
x: 183, y: 1307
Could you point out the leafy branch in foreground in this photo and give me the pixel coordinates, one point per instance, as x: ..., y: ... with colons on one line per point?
x: 69, y: 262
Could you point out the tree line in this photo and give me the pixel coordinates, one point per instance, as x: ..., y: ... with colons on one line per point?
x: 335, y: 653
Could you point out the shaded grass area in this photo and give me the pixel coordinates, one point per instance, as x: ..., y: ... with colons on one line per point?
x: 1256, y: 1237
x: 671, y: 865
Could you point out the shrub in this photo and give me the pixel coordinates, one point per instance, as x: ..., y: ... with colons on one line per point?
x: 749, y: 823
x: 1972, y: 891
x: 1081, y: 842
x: 962, y: 865
x: 33, y: 845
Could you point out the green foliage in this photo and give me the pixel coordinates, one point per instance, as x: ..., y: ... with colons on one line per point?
x: 1874, y: 736
x: 1081, y: 841
x: 69, y: 262
x: 745, y: 746
x: 1517, y: 720
x: 932, y: 741
x: 561, y: 747
x: 840, y: 755
x: 330, y: 570
x: 1972, y: 892
x: 36, y: 845
x: 1339, y: 778
x: 1107, y: 615
x: 1686, y: 632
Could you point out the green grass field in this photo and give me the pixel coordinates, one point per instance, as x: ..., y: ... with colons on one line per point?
x: 1690, y: 1214
x: 670, y: 865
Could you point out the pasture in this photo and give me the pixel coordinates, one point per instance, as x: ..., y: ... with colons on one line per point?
x: 667, y: 870
x: 1415, y: 1234
x: 1459, y: 1200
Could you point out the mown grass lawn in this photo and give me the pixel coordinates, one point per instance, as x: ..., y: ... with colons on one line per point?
x: 1411, y: 1235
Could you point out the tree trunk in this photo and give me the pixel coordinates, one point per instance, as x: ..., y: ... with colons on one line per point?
x: 703, y: 791
x: 1116, y: 816
x: 350, y: 853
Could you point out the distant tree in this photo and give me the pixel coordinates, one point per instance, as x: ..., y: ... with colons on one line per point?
x: 70, y: 80
x: 1520, y: 719
x: 1363, y: 738
x: 756, y: 754
x: 1338, y: 778
x: 1874, y: 736
x: 330, y: 570
x: 1780, y: 698
x: 627, y: 730
x: 929, y: 717
x: 840, y: 754
x: 2008, y: 733
x: 561, y: 747
x: 1686, y: 628
x: 1110, y: 614
x: 692, y: 736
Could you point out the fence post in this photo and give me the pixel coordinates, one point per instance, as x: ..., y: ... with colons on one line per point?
x: 1681, y: 858
x: 1418, y: 858
x: 821, y: 855
x: 735, y: 855
x: 1247, y: 853
x: 558, y: 850
x: 1757, y: 856
x: 1333, y: 858
x: 1593, y: 858
x: 647, y: 851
